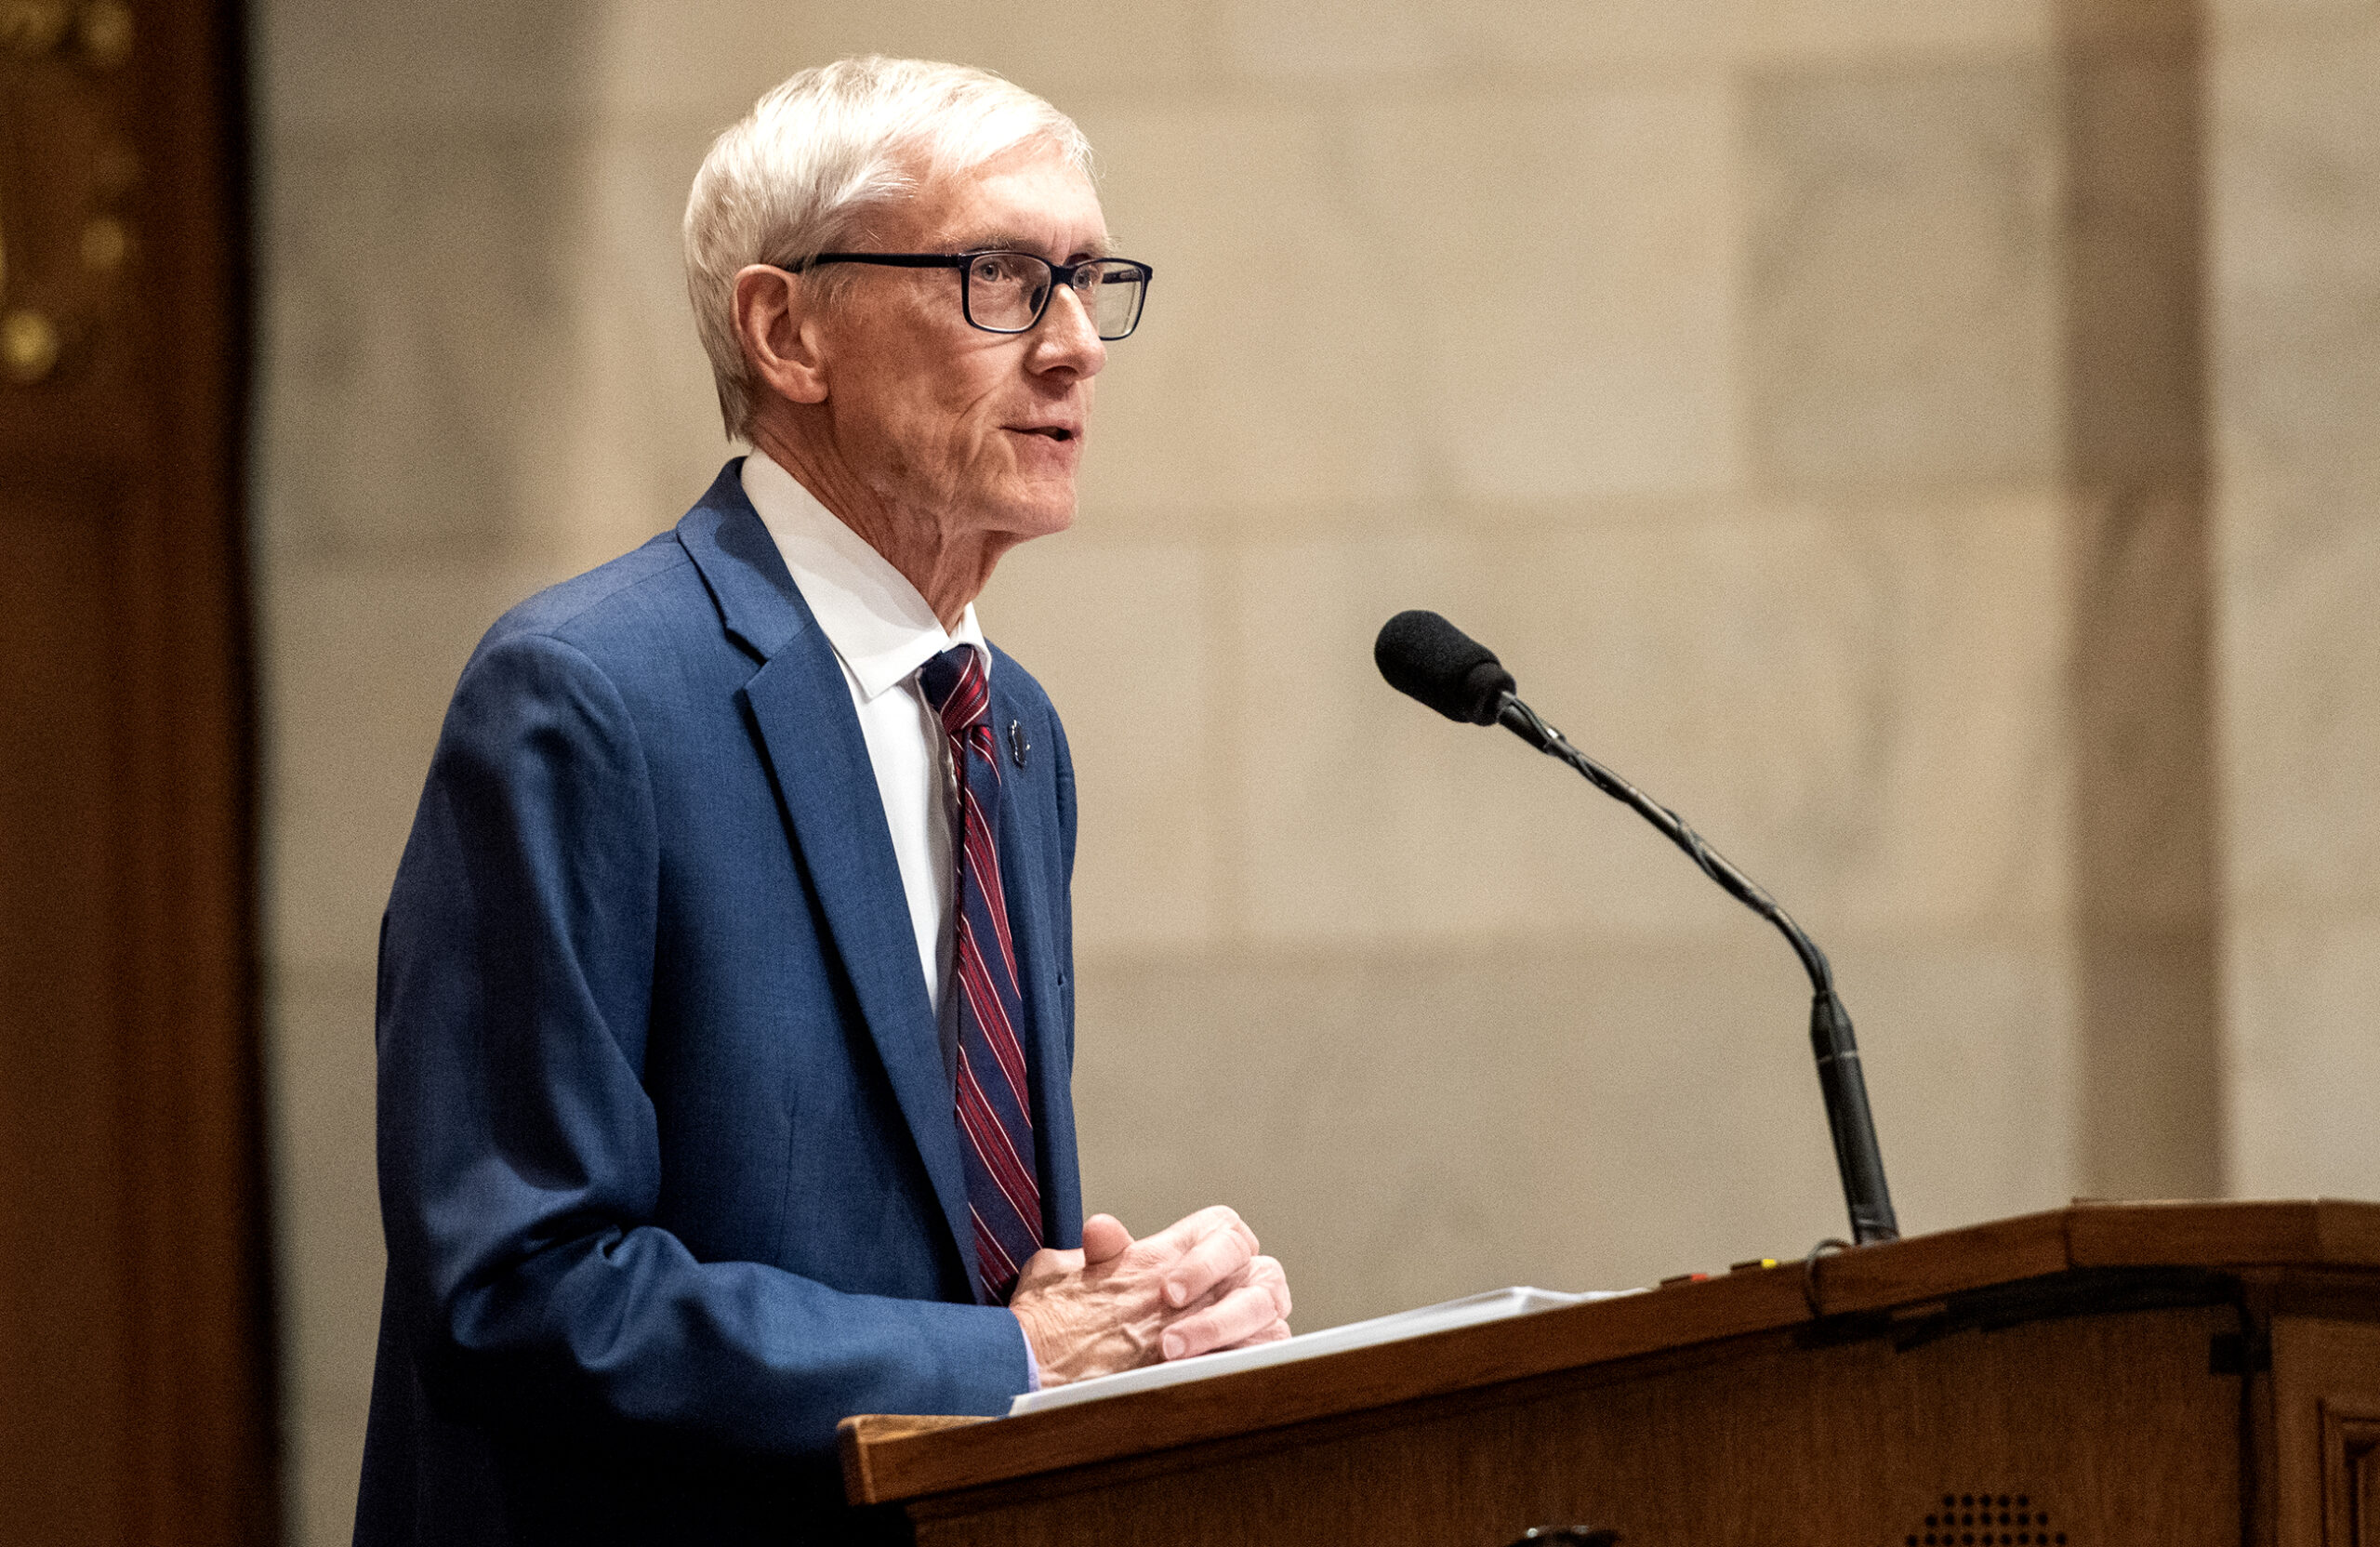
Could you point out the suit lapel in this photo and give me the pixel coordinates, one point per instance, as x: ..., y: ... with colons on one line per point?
x: 1028, y: 840
x: 802, y: 712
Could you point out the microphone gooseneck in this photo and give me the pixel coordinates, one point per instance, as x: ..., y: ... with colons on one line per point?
x: 1525, y: 723
x: 1423, y: 656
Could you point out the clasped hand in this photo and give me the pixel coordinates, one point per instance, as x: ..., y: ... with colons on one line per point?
x: 1196, y: 1287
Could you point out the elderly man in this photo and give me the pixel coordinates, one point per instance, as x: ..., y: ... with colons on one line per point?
x: 725, y: 1009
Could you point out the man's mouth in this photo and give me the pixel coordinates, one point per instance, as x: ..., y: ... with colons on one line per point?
x: 1054, y: 432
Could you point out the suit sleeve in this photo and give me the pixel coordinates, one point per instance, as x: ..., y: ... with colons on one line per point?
x: 520, y: 1155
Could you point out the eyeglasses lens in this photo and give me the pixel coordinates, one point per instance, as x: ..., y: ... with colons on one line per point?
x: 1114, y: 292
x: 1005, y: 292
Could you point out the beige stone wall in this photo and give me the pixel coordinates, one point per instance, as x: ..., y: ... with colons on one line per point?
x: 2294, y: 260
x: 1806, y: 398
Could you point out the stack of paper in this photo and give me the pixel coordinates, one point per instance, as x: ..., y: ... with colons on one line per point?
x: 1495, y: 1305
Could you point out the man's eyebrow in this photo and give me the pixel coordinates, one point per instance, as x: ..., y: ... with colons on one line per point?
x: 1010, y: 240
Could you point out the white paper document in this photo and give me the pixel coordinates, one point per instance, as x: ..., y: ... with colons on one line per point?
x: 1495, y: 1305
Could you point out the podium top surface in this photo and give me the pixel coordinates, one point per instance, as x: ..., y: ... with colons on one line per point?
x: 890, y: 1459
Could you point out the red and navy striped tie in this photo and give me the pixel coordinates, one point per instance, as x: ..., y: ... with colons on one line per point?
x: 994, y: 1118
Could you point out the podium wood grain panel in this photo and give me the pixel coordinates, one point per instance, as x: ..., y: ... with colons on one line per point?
x: 2349, y: 1231
x: 2212, y: 1234
x: 1925, y: 1266
x: 2107, y: 1370
x: 2100, y: 1425
x: 884, y: 1459
x: 2326, y: 1419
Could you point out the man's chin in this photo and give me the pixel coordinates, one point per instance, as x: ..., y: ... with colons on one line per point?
x: 1024, y: 520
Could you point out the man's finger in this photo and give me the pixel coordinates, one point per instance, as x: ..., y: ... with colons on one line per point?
x: 1212, y: 1259
x: 1267, y: 1271
x: 1190, y: 1229
x: 1104, y: 1237
x: 1238, y: 1316
x: 1049, y: 1264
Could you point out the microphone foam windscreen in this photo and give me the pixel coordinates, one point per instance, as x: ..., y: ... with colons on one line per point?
x: 1426, y: 657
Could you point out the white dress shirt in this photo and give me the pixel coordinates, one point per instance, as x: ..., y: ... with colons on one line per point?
x: 882, y: 630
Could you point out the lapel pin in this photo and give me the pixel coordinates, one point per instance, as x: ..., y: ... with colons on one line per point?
x: 1017, y: 745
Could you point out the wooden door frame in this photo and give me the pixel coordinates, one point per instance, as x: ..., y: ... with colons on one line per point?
x: 149, y: 403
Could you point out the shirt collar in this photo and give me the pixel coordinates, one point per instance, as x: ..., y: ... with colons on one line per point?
x: 881, y: 628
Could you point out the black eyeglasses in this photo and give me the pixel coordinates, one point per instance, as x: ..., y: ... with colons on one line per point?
x: 1006, y: 292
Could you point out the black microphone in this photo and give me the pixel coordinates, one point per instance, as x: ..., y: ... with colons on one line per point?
x: 1426, y: 657
x: 1423, y: 656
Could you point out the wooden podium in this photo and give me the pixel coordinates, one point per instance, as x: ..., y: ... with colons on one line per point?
x: 2107, y: 1375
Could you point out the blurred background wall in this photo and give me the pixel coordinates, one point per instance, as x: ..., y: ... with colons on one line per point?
x: 1932, y: 444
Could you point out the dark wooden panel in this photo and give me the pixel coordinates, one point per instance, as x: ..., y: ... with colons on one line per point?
x: 2349, y: 1231
x: 2350, y: 1474
x: 1921, y: 1266
x: 2110, y: 1426
x: 2326, y: 1425
x: 2213, y: 1234
x: 134, y: 1338
x: 65, y: 1322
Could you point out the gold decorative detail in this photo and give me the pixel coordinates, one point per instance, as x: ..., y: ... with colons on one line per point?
x: 106, y: 33
x: 33, y: 26
x: 35, y: 340
x: 105, y: 242
x: 28, y: 345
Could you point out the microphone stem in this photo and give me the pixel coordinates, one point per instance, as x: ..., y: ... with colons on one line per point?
x: 1525, y: 722
x: 1857, y: 1156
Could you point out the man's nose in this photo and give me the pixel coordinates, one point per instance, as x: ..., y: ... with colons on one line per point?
x: 1066, y: 339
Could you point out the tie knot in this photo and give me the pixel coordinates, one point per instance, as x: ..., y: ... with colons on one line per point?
x: 955, y: 687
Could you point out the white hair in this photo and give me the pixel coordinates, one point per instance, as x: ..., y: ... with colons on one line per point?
x: 797, y: 175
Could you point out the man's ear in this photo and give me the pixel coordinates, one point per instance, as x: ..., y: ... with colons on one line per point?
x: 779, y: 333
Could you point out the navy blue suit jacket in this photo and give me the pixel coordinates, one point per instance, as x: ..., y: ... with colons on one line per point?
x: 669, y: 1167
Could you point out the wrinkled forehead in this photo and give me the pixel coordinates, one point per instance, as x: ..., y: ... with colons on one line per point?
x: 1034, y: 198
